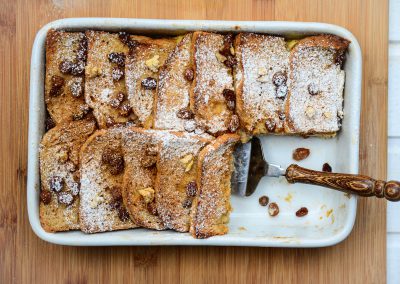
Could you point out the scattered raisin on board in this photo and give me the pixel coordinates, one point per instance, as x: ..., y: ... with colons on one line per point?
x: 303, y: 211
x: 273, y: 209
x: 300, y: 154
x: 326, y: 168
x: 263, y: 200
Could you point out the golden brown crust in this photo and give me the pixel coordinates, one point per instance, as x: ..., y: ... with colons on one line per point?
x: 59, y: 168
x: 102, y: 169
x: 211, y: 206
x: 64, y: 91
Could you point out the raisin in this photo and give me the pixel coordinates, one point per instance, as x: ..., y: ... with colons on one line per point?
x: 55, y: 92
x: 81, y: 54
x: 263, y: 200
x: 230, y: 105
x: 56, y: 183
x: 117, y: 74
x: 191, y: 189
x: 187, y: 203
x: 189, y: 74
x: 76, y: 89
x: 114, y: 159
x: 123, y: 214
x: 270, y: 124
x: 65, y: 198
x: 151, y: 207
x: 65, y: 66
x: 110, y: 121
x: 149, y: 83
x: 78, y: 68
x: 226, y: 49
x: 234, y: 123
x: 117, y: 58
x: 229, y: 95
x: 303, y: 211
x: 116, y: 102
x: 312, y: 89
x: 300, y: 154
x: 45, y: 196
x: 49, y: 123
x: 279, y: 78
x: 125, y: 109
x: 340, y: 58
x: 185, y: 113
x: 281, y: 115
x: 273, y: 209
x: 230, y: 61
x: 124, y: 37
x: 326, y: 168
x: 116, y: 196
x: 83, y: 111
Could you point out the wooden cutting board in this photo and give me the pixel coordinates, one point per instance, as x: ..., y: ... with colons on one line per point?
x: 26, y: 259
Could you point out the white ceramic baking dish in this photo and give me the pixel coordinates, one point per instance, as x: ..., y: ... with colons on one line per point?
x: 331, y: 214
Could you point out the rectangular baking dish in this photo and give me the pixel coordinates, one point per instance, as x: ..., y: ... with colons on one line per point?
x: 331, y: 214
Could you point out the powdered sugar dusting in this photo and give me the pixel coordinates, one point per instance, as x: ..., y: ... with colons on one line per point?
x: 211, y: 78
x: 173, y: 88
x: 97, y: 214
x: 261, y: 57
x: 314, y: 68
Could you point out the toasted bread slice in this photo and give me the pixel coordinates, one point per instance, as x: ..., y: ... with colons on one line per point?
x: 260, y: 82
x: 212, y: 77
x: 59, y: 174
x: 102, y: 168
x: 315, y: 102
x: 105, y: 89
x: 142, y: 70
x: 64, y: 82
x: 140, y: 154
x: 176, y: 177
x: 173, y: 89
x: 211, y: 206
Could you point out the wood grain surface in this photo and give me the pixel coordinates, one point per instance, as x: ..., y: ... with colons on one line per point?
x: 26, y: 259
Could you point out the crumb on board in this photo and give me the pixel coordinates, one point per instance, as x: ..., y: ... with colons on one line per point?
x: 241, y: 228
x: 289, y: 197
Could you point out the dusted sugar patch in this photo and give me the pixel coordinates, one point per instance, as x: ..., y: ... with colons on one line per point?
x: 102, y: 169
x: 176, y: 177
x: 213, y: 62
x: 315, y: 102
x: 105, y: 89
x: 261, y: 78
x: 172, y: 97
x: 211, y: 206
x: 65, y: 70
x: 142, y: 71
x: 59, y: 174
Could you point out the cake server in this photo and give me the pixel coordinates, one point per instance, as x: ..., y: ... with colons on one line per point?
x: 251, y: 166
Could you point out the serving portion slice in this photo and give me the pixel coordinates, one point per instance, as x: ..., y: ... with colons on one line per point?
x: 142, y: 70
x: 105, y: 89
x: 176, y: 177
x: 102, y: 169
x: 212, y: 96
x: 211, y: 206
x: 140, y: 149
x: 315, y: 102
x: 261, y: 82
x: 171, y: 109
x: 65, y: 70
x: 59, y: 174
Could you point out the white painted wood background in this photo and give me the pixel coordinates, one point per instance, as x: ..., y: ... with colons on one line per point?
x: 393, y: 212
